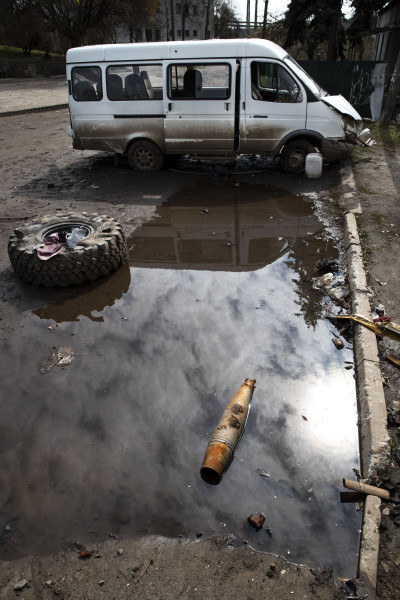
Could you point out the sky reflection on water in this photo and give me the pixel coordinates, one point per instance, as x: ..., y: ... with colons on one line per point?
x: 114, y: 442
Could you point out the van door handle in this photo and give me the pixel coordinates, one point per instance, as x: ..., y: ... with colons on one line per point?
x: 170, y: 106
x: 261, y: 116
x: 227, y: 105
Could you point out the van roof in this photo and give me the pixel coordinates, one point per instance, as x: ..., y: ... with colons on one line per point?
x: 201, y: 49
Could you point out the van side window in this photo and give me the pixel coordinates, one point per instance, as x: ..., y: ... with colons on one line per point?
x: 134, y: 82
x: 199, y: 81
x: 272, y: 83
x: 86, y: 84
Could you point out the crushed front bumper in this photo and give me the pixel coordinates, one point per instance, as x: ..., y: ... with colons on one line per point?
x: 334, y: 149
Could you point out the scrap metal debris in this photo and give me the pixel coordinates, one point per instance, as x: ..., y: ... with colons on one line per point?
x: 333, y: 285
x: 55, y: 242
x: 146, y: 567
x: 264, y: 474
x: 382, y: 326
x: 58, y: 358
x: 364, y: 488
x: 392, y: 358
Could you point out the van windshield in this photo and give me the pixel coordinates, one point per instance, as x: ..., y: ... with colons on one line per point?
x: 304, y: 76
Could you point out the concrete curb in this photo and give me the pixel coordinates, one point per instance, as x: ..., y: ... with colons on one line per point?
x: 374, y: 438
x: 13, y: 113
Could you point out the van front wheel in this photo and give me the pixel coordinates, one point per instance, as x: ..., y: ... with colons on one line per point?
x: 293, y: 156
x: 145, y: 156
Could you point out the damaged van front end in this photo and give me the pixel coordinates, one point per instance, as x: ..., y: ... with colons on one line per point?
x: 343, y: 118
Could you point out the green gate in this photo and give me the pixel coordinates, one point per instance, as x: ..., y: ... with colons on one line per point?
x: 355, y: 80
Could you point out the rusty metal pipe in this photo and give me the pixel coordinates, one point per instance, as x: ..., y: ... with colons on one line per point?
x: 222, y: 446
x: 359, y: 486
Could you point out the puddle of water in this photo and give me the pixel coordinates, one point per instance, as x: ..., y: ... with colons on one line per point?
x: 112, y: 443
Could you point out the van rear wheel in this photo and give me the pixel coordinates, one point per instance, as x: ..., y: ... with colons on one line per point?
x: 293, y: 156
x: 145, y: 156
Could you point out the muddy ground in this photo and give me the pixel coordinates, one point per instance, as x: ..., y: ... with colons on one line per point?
x: 40, y: 175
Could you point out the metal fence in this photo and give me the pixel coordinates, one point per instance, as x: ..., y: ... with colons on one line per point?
x: 360, y: 82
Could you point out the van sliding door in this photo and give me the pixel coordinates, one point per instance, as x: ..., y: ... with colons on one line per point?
x: 200, y: 108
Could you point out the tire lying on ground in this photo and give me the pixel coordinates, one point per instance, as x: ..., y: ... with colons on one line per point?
x: 101, y: 251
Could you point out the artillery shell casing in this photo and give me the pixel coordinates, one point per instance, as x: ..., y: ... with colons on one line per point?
x: 222, y: 446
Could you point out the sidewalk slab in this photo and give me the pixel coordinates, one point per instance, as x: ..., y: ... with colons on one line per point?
x: 18, y: 96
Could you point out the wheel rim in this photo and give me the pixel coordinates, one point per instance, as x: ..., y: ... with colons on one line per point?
x: 144, y: 158
x: 65, y: 228
x: 295, y: 159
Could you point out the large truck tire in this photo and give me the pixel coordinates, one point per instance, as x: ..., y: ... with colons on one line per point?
x: 100, y: 252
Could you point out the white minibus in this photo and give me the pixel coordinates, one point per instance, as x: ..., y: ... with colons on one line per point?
x: 211, y: 98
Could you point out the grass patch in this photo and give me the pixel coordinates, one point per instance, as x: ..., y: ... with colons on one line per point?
x: 11, y: 54
x: 365, y: 248
x: 389, y: 135
x: 18, y: 64
x: 365, y: 190
x: 377, y: 218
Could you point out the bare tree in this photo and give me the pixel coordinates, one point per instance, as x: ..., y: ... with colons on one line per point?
x: 72, y: 19
x: 264, y: 27
x: 21, y: 27
x: 135, y: 15
x: 225, y: 20
x: 172, y: 21
x: 391, y: 96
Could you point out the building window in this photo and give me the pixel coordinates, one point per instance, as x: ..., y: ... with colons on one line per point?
x: 195, y: 34
x: 157, y: 35
x: 179, y: 32
x: 187, y: 33
x: 194, y: 8
x: 178, y: 8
